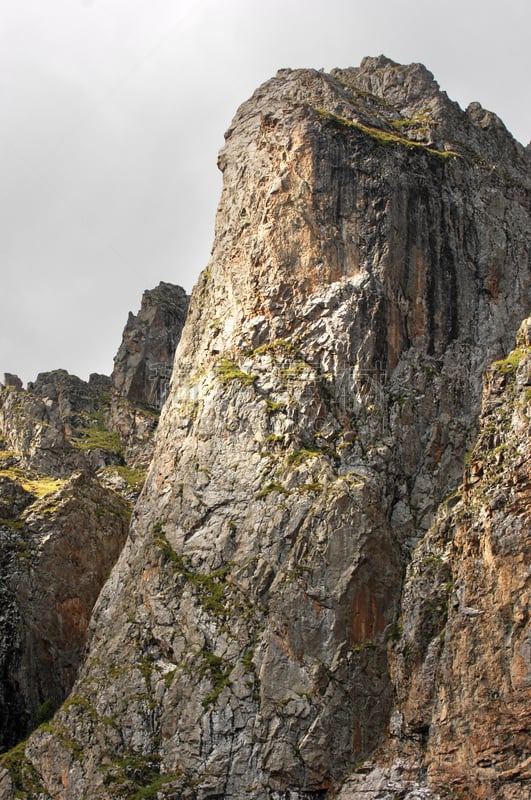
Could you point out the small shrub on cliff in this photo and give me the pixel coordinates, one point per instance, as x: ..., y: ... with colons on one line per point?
x: 228, y: 371
x: 46, y: 711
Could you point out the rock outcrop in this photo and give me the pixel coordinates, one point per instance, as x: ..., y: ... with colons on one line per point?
x: 72, y: 460
x: 142, y: 369
x: 144, y: 361
x: 61, y: 531
x: 460, y: 655
x: 371, y: 258
x: 49, y: 425
x: 481, y: 722
x: 56, y: 555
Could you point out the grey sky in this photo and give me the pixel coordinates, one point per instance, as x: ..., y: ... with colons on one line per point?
x: 111, y: 116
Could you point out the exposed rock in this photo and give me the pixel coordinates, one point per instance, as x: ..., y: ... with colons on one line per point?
x: 12, y: 380
x: 62, y: 423
x: 101, y: 384
x: 135, y: 426
x: 142, y: 369
x: 462, y: 666
x: 371, y: 258
x: 51, y: 525
x: 57, y: 425
x: 58, y: 541
x: 55, y: 559
x: 13, y: 497
x: 143, y: 364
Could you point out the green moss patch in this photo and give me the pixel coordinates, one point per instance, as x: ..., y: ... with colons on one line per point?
x: 37, y: 486
x: 134, y: 478
x: 279, y: 347
x: 25, y: 778
x: 293, y: 459
x: 7, y: 457
x: 212, y: 588
x: 509, y: 364
x: 218, y: 670
x: 228, y: 371
x: 95, y: 438
x: 133, y: 775
x: 386, y: 137
x: 274, y: 406
x: 271, y: 487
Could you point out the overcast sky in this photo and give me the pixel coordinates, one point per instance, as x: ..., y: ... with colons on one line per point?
x: 111, y: 116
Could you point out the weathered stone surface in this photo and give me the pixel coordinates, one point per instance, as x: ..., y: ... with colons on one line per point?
x: 143, y: 363
x: 12, y: 380
x: 59, y: 537
x: 58, y: 540
x: 50, y: 425
x: 136, y: 426
x: 327, y: 383
x: 55, y: 559
x: 142, y: 369
x: 462, y: 666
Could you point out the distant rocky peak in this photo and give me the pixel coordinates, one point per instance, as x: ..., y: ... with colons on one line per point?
x: 70, y: 393
x: 13, y: 381
x: 385, y: 77
x: 143, y: 364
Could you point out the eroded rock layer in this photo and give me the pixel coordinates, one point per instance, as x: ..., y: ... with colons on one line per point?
x: 370, y: 260
x: 54, y: 561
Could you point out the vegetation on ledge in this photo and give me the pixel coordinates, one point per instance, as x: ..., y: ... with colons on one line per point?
x: 228, y: 371
x: 38, y: 486
x: 386, y: 137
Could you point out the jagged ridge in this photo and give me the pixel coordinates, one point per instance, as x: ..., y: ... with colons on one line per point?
x: 73, y: 456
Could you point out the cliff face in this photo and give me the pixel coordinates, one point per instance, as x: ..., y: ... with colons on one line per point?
x: 484, y: 684
x: 370, y: 260
x: 142, y: 369
x: 460, y: 655
x: 71, y: 458
x: 144, y: 359
x: 55, y: 557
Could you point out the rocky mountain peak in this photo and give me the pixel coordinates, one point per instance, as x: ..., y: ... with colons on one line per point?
x: 282, y: 237
x: 143, y: 364
x: 264, y: 633
x: 393, y: 82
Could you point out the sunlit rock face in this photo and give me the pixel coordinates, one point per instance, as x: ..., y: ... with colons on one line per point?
x: 370, y: 259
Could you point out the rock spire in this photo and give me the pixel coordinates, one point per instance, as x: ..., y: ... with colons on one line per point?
x: 371, y: 257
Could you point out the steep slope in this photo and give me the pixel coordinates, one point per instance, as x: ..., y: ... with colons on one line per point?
x: 370, y: 259
x: 148, y: 344
x: 54, y: 560
x: 61, y: 531
x: 72, y: 460
x: 460, y: 656
x: 484, y: 685
x: 142, y: 369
